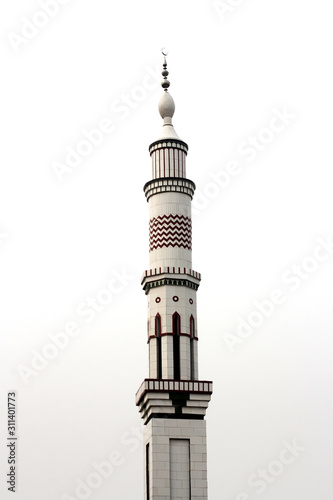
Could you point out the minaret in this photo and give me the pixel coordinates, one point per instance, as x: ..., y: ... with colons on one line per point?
x: 172, y: 401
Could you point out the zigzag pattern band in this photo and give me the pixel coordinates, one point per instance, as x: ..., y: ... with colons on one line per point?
x: 170, y: 230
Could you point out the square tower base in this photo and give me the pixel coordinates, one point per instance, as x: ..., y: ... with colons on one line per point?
x: 175, y: 458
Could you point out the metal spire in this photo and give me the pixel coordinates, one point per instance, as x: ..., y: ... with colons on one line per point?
x: 165, y: 84
x: 166, y: 105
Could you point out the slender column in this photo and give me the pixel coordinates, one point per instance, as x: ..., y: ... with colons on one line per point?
x: 172, y: 401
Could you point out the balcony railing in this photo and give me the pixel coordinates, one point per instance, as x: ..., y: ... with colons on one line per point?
x: 169, y: 385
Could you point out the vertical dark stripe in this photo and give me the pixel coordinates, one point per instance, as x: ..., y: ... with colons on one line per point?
x: 164, y: 164
x: 192, y: 335
x: 159, y: 163
x: 147, y: 471
x: 169, y: 164
x: 158, y: 346
x: 176, y: 346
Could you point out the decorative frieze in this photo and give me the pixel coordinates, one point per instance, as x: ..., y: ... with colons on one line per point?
x: 167, y: 281
x: 171, y: 270
x: 170, y: 230
x: 169, y: 184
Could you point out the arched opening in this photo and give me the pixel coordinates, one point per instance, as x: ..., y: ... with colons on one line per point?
x: 176, y: 346
x: 192, y: 335
x: 158, y: 345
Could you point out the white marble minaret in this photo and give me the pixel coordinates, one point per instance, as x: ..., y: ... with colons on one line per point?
x: 172, y: 401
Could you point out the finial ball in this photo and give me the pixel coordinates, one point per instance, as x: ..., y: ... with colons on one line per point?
x: 165, y: 84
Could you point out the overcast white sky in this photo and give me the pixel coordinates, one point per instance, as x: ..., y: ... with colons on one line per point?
x: 66, y: 237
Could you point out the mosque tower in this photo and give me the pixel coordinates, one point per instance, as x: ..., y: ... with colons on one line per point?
x: 173, y: 400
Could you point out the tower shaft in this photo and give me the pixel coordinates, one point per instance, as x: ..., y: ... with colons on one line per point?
x: 172, y: 401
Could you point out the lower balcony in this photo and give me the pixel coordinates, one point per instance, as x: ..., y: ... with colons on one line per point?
x: 171, y: 386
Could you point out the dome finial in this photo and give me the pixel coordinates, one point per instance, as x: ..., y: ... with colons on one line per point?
x: 166, y: 105
x: 165, y: 84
